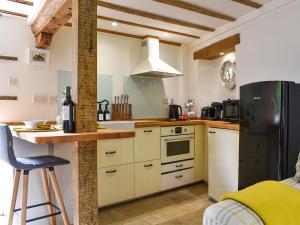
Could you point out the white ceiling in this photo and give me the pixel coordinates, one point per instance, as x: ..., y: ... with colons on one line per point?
x: 227, y: 7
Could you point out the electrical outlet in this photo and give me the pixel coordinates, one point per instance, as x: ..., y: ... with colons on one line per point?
x: 13, y: 81
x: 40, y: 99
x: 53, y: 99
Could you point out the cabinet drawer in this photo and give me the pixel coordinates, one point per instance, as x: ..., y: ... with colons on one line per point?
x: 177, y: 179
x: 115, y: 152
x: 147, y: 177
x: 147, y: 144
x: 177, y: 166
x: 115, y: 184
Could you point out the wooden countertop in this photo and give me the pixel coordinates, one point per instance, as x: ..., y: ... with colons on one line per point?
x: 209, y: 123
x: 57, y: 137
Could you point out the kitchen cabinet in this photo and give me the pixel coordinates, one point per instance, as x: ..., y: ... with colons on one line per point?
x: 205, y: 153
x: 147, y: 177
x: 147, y: 144
x: 223, y: 157
x: 115, y: 184
x: 177, y: 179
x: 199, y: 153
x: 114, y: 152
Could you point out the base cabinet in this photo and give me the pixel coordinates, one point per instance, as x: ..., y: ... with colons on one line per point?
x: 147, y: 178
x: 223, y: 157
x: 115, y: 184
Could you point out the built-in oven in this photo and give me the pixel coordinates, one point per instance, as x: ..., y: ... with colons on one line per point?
x: 177, y: 143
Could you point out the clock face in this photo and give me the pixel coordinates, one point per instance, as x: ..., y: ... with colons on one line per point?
x: 227, y: 74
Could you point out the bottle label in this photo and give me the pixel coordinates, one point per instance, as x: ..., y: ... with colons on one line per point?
x: 65, y: 113
x: 107, y: 116
x: 100, y: 117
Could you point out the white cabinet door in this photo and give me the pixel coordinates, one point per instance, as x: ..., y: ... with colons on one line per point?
x: 115, y: 184
x: 223, y: 156
x: 147, y: 144
x: 147, y: 177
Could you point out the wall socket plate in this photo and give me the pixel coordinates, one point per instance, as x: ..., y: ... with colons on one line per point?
x: 40, y: 99
x: 53, y: 99
x: 13, y: 81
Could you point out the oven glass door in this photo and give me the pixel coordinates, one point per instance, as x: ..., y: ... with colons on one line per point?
x: 177, y: 148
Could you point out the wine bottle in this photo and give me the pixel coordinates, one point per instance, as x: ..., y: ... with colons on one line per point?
x: 100, y: 113
x: 68, y: 113
x: 106, y: 113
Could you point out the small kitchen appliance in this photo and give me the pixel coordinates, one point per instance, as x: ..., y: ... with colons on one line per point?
x: 175, y: 112
x: 231, y: 110
x: 218, y: 111
x: 207, y: 113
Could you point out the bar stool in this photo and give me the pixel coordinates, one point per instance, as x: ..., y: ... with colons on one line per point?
x: 25, y: 165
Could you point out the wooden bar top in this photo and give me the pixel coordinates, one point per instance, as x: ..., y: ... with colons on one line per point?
x: 57, y: 137
x: 209, y: 123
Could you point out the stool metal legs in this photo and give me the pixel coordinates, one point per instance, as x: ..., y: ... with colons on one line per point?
x: 59, y: 196
x: 14, y: 197
x: 24, y: 197
x: 47, y: 195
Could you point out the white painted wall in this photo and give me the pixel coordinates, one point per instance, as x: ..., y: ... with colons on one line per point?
x: 117, y: 56
x: 269, y: 50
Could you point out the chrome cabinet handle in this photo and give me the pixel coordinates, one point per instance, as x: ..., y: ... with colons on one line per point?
x: 148, y: 165
x: 147, y: 131
x: 212, y: 132
x: 178, y: 166
x: 179, y: 176
x: 111, y: 171
x: 110, y: 153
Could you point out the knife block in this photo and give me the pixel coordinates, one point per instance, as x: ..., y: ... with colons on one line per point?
x: 121, y: 111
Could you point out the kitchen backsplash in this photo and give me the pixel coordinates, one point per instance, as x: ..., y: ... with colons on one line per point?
x: 147, y: 96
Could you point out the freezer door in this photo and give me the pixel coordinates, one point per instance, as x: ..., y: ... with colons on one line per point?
x: 260, y: 132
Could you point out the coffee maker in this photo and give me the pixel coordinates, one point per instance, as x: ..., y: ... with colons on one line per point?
x: 175, y: 112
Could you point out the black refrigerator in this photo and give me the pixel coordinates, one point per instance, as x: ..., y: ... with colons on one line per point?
x: 269, y: 131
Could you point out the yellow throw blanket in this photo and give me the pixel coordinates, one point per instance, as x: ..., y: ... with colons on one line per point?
x: 274, y: 202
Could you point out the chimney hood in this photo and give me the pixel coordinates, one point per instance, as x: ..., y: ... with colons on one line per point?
x: 150, y: 65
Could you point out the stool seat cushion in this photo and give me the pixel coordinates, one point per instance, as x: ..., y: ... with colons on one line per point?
x: 46, y: 161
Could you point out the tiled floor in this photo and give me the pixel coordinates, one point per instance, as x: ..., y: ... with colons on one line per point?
x: 182, y: 206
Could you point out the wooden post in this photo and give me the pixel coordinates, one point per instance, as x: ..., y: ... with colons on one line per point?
x: 84, y: 20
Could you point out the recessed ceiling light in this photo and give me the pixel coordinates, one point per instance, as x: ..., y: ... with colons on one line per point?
x: 166, y: 34
x: 222, y: 53
x: 114, y: 23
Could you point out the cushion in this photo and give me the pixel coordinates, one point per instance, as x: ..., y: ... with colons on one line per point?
x: 298, y: 169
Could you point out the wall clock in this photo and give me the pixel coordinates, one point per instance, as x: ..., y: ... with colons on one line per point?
x: 228, y: 75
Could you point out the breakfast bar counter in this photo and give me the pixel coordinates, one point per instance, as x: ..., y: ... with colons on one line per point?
x: 57, y: 137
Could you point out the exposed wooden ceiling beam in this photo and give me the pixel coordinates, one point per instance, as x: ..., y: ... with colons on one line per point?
x: 22, y: 2
x: 135, y: 36
x: 12, y: 13
x: 195, y: 8
x: 214, y: 51
x: 249, y: 3
x: 147, y: 27
x: 153, y: 16
x: 51, y: 17
x: 106, y: 31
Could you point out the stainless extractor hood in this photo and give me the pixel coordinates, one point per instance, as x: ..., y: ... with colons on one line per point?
x: 150, y: 65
